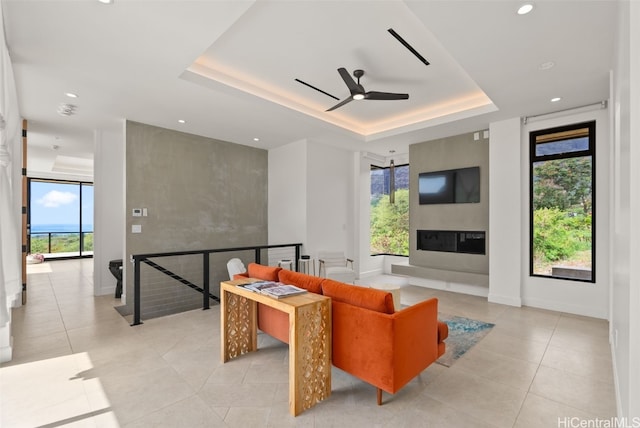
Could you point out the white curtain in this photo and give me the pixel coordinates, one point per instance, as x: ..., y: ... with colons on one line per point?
x: 10, y: 134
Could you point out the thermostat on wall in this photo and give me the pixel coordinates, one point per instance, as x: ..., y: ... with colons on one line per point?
x: 137, y: 212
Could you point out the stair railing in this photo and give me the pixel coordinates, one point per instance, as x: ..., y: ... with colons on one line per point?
x: 205, y: 289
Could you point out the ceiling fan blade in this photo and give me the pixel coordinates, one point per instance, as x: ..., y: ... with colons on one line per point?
x: 354, y: 88
x: 373, y: 95
x: 341, y: 103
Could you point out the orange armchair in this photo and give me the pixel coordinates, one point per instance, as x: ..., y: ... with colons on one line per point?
x: 386, y: 350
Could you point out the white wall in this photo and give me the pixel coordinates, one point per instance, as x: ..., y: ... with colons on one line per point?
x: 510, y: 282
x: 287, y: 194
x: 505, y: 207
x: 330, y: 199
x: 311, y: 197
x: 625, y: 251
x: 369, y: 265
x: 562, y: 295
x: 109, y: 215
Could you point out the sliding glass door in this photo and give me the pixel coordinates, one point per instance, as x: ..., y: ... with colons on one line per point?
x: 60, y: 218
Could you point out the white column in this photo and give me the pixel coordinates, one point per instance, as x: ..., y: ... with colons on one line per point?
x: 109, y: 215
x: 505, y: 213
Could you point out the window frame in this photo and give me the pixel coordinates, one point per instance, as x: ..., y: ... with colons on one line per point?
x: 82, y: 252
x: 533, y: 158
x: 373, y: 167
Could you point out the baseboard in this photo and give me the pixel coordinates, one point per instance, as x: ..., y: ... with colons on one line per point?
x: 370, y: 273
x: 473, y: 290
x: 6, y: 354
x: 6, y: 349
x: 563, y: 307
x: 616, y: 381
x: 104, y: 291
x: 505, y: 300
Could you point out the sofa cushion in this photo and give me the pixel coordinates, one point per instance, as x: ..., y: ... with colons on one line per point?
x: 273, y: 322
x: 368, y: 298
x: 266, y: 273
x: 308, y: 282
x: 443, y: 331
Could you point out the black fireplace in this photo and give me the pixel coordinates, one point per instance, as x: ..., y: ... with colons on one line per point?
x: 452, y: 241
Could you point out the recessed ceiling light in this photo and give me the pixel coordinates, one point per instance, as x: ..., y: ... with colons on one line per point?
x: 71, y: 95
x: 555, y: 100
x: 256, y: 139
x: 182, y: 121
x: 106, y: 1
x: 525, y: 8
x: 546, y: 65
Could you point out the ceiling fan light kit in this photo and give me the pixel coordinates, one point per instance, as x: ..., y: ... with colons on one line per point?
x: 358, y: 92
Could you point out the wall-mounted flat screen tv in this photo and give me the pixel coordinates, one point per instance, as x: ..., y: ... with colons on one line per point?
x: 453, y: 186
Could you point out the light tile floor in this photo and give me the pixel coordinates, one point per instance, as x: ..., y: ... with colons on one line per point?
x: 77, y: 362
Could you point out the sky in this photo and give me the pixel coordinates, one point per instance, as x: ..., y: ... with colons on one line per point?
x: 59, y: 203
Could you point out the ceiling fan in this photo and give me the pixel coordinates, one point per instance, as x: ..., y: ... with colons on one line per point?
x: 358, y: 92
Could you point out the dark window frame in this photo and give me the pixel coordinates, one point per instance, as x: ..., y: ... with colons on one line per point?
x: 377, y: 167
x: 533, y: 158
x: 81, y: 252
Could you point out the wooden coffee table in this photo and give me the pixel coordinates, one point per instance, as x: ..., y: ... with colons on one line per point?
x: 309, y: 338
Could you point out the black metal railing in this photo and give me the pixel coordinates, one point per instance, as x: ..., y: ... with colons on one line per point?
x: 205, y: 289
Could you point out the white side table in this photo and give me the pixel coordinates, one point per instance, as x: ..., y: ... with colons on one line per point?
x: 307, y: 266
x: 286, y: 264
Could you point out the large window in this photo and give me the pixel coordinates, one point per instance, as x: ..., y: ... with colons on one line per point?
x: 60, y: 218
x: 562, y: 202
x: 390, y: 210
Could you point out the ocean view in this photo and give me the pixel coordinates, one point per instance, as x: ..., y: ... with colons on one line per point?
x: 68, y: 228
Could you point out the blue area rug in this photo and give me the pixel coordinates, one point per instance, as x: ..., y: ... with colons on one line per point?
x: 464, y: 333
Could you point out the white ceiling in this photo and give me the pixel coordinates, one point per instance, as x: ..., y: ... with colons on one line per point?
x: 228, y: 67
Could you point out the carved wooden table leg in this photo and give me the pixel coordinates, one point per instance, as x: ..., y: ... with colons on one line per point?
x: 309, y: 356
x: 309, y: 338
x: 239, y: 330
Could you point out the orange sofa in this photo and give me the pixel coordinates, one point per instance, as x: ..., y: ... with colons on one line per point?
x: 370, y: 339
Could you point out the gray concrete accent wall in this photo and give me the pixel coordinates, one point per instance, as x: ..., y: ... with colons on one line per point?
x: 199, y: 194
x: 460, y: 151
